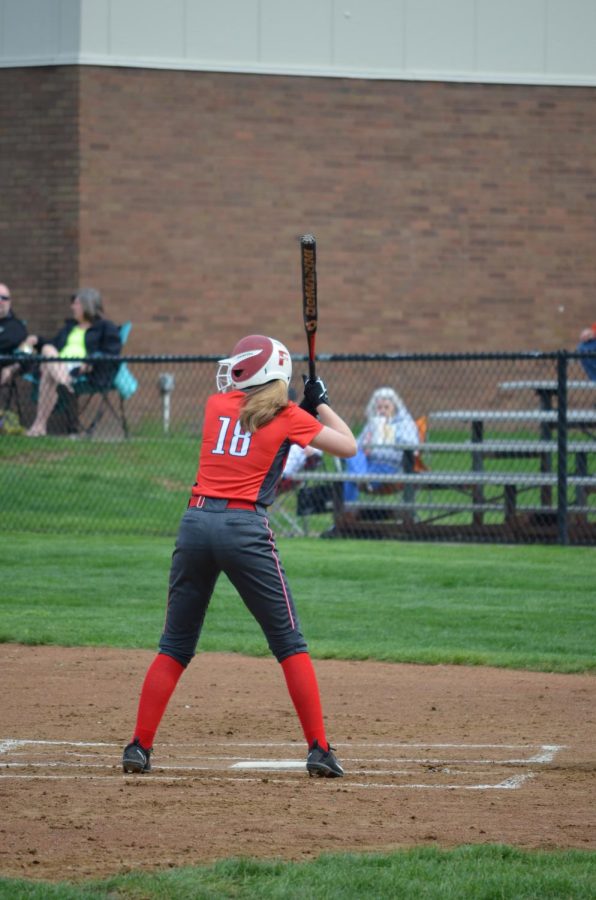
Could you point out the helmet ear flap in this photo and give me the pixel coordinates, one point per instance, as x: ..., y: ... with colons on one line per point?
x: 223, y: 377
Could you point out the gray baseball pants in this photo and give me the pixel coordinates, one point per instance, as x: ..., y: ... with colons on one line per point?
x: 212, y: 539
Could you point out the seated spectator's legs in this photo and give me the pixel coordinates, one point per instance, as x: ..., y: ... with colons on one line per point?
x: 362, y: 465
x: 355, y: 465
x: 381, y: 469
x: 7, y: 373
x: 50, y: 378
x: 588, y: 364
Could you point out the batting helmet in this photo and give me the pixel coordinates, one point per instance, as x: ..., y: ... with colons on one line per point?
x: 255, y: 360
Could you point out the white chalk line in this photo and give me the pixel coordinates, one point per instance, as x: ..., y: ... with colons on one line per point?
x: 10, y: 742
x: 452, y: 766
x: 546, y: 752
x: 239, y: 762
x: 260, y: 764
x: 544, y: 749
x: 509, y: 784
x: 265, y: 765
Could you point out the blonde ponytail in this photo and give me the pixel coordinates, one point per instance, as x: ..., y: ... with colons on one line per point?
x: 262, y: 404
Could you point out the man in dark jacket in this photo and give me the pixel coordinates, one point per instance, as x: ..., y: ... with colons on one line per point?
x: 12, y: 334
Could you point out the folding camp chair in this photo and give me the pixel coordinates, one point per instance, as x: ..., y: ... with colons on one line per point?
x: 9, y: 393
x: 123, y: 383
x: 11, y: 397
x: 295, y: 502
x: 84, y: 417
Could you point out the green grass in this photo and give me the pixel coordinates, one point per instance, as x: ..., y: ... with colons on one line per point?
x: 140, y: 486
x: 72, y: 574
x: 519, y: 607
x: 467, y: 873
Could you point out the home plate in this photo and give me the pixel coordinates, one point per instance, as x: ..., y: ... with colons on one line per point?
x: 282, y: 764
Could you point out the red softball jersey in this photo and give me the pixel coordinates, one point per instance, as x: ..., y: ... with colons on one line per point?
x: 241, y: 466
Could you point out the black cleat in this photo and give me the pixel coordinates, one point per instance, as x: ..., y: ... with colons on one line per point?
x: 323, y: 762
x: 136, y: 759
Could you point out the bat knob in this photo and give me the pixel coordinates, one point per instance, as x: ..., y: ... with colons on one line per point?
x: 307, y: 239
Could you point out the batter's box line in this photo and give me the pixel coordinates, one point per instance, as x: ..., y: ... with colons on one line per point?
x: 7, y: 744
x: 545, y: 752
x: 509, y: 784
x: 10, y: 742
x: 377, y: 745
x: 295, y: 744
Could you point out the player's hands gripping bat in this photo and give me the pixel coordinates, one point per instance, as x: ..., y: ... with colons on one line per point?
x: 315, y: 393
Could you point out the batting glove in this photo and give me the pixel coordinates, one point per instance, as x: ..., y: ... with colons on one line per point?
x: 315, y: 393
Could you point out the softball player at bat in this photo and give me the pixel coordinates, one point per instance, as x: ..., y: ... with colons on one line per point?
x: 248, y: 429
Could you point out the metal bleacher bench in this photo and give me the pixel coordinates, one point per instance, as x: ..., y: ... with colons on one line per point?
x: 402, y: 501
x: 408, y: 484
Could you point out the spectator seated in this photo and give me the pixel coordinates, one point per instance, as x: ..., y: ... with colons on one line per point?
x: 81, y: 417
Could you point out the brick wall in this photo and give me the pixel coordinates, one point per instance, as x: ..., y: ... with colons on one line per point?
x: 448, y: 216
x: 39, y: 168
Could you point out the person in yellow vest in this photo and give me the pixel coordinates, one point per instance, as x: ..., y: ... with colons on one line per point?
x: 83, y: 336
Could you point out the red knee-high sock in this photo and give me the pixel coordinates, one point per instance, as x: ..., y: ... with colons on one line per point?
x: 161, y: 679
x: 304, y: 691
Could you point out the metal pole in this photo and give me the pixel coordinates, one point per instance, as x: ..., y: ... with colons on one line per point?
x: 166, y: 384
x: 562, y: 523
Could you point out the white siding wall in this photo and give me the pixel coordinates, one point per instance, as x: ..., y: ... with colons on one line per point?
x: 38, y: 31
x: 519, y: 41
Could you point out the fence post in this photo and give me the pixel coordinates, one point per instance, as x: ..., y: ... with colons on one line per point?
x: 562, y: 434
x: 166, y: 383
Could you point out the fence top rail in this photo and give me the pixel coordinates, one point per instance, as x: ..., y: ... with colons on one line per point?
x: 503, y: 415
x: 545, y: 385
x: 146, y: 358
x: 451, y: 357
x: 341, y: 357
x: 522, y: 446
x: 447, y: 478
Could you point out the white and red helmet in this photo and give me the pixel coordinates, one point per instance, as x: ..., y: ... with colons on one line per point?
x: 255, y: 360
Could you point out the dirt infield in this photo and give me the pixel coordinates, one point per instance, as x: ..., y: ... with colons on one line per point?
x: 439, y: 755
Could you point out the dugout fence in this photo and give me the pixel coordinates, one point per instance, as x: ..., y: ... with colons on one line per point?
x: 508, y: 452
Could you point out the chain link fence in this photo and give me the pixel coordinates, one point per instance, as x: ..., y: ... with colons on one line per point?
x: 507, y: 455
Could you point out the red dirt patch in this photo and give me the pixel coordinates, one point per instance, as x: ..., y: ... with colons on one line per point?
x: 439, y: 755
